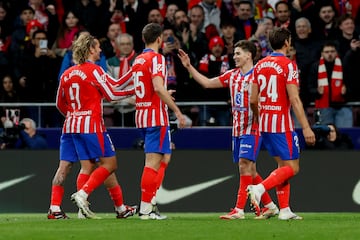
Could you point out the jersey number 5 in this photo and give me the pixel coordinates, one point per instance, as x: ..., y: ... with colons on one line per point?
x: 271, y: 88
x: 139, y: 85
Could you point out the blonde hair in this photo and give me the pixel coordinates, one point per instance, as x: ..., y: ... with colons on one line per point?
x: 81, y: 48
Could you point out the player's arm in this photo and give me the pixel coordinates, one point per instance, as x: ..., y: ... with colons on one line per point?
x: 254, y: 101
x: 101, y: 80
x: 60, y: 100
x: 158, y: 83
x: 297, y: 106
x: 200, y: 78
x: 120, y: 83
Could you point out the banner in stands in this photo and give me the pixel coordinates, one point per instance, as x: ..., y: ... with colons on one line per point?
x: 195, y: 181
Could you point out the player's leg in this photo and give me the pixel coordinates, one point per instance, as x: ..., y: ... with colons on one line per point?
x: 57, y: 191
x: 157, y: 145
x: 92, y: 146
x: 68, y: 156
x: 115, y: 192
x: 270, y: 209
x: 245, y: 151
x: 280, y: 146
x: 159, y: 179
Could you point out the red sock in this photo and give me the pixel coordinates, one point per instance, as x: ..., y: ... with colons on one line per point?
x: 283, y: 194
x: 116, y: 195
x: 161, y: 174
x: 96, y: 179
x: 57, y: 193
x: 277, y: 177
x: 81, y: 180
x: 265, y: 198
x: 245, y: 181
x: 148, y: 184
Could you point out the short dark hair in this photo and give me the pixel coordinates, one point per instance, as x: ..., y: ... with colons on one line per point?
x: 329, y: 43
x: 151, y: 32
x: 246, y: 2
x: 278, y: 36
x: 282, y: 2
x: 247, y: 46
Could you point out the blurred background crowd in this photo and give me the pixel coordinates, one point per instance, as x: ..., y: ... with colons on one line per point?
x: 36, y: 38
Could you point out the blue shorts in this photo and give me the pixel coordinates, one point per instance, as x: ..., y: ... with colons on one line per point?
x: 285, y: 145
x: 77, y: 146
x: 157, y: 140
x: 246, y: 146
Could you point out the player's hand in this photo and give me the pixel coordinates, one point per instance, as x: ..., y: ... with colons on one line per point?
x: 321, y: 90
x: 181, y: 118
x: 171, y: 92
x: 309, y: 136
x: 185, y: 60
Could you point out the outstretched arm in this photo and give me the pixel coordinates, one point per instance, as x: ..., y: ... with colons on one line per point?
x: 200, y: 78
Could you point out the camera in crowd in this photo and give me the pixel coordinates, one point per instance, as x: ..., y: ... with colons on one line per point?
x: 321, y: 132
x: 10, y: 132
x: 10, y: 135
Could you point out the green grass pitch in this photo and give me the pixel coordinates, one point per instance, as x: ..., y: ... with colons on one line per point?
x: 317, y: 226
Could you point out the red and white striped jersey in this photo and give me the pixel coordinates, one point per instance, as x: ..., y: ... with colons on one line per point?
x: 80, y: 95
x: 272, y: 74
x: 240, y: 90
x: 151, y: 111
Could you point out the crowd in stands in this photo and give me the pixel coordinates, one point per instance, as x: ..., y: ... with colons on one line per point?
x: 325, y: 38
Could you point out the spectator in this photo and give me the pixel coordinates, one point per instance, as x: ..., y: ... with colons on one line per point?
x: 263, y: 9
x: 229, y: 10
x: 103, y: 10
x: 262, y: 33
x: 329, y: 88
x: 40, y: 85
x: 19, y: 40
x: 69, y: 27
x: 117, y: 66
x: 86, y: 11
x: 4, y: 57
x: 329, y: 137
x: 8, y: 94
x: 155, y: 17
x: 244, y: 22
x: 182, y: 27
x: 347, y: 7
x: 351, y: 72
x: 68, y: 58
x: 308, y: 52
x: 346, y: 34
x: 137, y: 12
x: 211, y: 13
x: 282, y: 14
x: 45, y: 13
x: 108, y: 43
x: 211, y: 65
x: 169, y: 20
x: 197, y: 40
x: 325, y: 25
x: 28, y: 137
x: 6, y: 25
x: 229, y: 37
x: 304, y: 8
